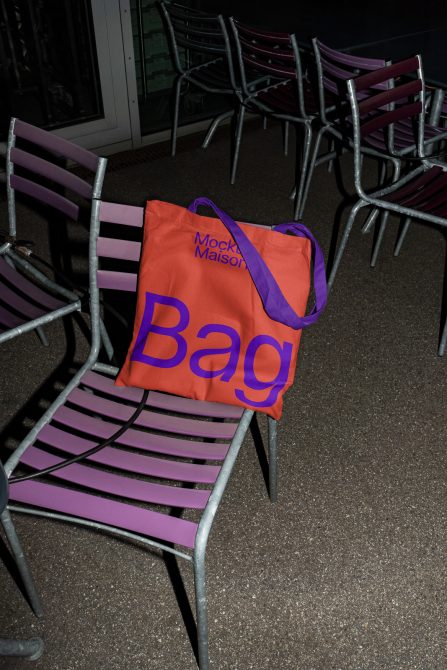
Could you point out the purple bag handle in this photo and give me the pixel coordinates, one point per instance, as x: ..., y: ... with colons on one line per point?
x: 275, y: 304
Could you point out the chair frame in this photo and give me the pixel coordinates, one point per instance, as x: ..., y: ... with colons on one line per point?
x: 275, y: 61
x: 191, y: 29
x: 118, y: 214
x: 35, y: 287
x: 364, y: 104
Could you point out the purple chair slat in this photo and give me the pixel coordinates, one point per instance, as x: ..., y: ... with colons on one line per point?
x: 28, y: 288
x: 269, y: 68
x: 118, y: 485
x: 384, y: 120
x: 137, y: 439
x: 8, y: 320
x: 127, y: 215
x: 349, y: 59
x: 110, y: 512
x: 414, y: 185
x: 122, y: 249
x: 391, y: 95
x: 56, y: 145
x: 422, y: 198
x: 163, y: 400
x: 19, y: 304
x: 45, y: 195
x: 371, y: 79
x: 51, y: 171
x: 120, y: 281
x: 153, y: 420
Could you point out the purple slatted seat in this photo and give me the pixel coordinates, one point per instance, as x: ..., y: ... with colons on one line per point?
x: 28, y: 297
x: 160, y: 479
x: 377, y: 100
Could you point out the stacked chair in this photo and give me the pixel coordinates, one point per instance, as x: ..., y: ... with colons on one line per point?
x: 379, y: 101
x: 40, y: 166
x: 202, y: 59
x: 273, y: 61
x: 140, y: 459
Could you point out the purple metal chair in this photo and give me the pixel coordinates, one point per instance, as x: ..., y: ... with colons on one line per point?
x: 273, y: 84
x: 29, y: 298
x: 379, y: 100
x: 141, y: 479
x: 334, y: 69
x: 202, y: 59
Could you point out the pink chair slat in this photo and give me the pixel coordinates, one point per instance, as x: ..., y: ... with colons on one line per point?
x: 390, y: 95
x: 385, y: 120
x: 162, y: 400
x: 102, y: 510
x: 351, y: 60
x: 118, y: 485
x: 45, y: 195
x: 120, y: 249
x: 371, y: 79
x: 56, y: 145
x: 414, y: 185
x: 51, y: 171
x: 127, y: 215
x: 138, y: 439
x: 27, y: 287
x: 120, y: 281
x: 152, y: 420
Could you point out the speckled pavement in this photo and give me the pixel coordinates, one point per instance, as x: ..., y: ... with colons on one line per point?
x: 347, y: 571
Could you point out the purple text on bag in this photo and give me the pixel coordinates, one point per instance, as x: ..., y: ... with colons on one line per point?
x: 233, y: 350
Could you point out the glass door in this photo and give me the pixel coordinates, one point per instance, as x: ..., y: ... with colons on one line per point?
x: 62, y: 67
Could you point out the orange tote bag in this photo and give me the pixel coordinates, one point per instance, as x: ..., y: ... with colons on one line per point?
x: 220, y: 307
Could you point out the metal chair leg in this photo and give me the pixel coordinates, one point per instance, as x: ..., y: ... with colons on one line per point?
x: 213, y: 127
x: 402, y: 236
x: 201, y: 611
x: 379, y: 239
x: 359, y: 204
x: 30, y: 649
x: 178, y: 86
x: 443, y: 342
x: 237, y: 143
x: 273, y: 459
x: 21, y: 562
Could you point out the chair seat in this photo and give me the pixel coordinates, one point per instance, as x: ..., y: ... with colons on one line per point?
x: 135, y: 483
x: 426, y: 193
x: 22, y: 301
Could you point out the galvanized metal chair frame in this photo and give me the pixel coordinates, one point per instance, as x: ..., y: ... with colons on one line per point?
x: 29, y: 298
x: 334, y: 69
x: 274, y: 85
x: 31, y: 649
x: 196, y: 35
x: 90, y: 408
x: 422, y: 192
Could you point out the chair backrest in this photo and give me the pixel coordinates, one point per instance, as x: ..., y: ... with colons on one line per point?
x: 384, y: 97
x: 37, y: 154
x: 272, y: 56
x: 197, y: 38
x: 334, y: 69
x: 115, y: 246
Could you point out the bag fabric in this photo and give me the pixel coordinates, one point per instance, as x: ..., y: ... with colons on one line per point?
x: 220, y: 307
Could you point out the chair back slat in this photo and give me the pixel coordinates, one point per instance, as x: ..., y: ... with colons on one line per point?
x: 120, y: 281
x: 397, y: 94
x: 388, y: 72
x: 51, y: 171
x: 45, y: 195
x: 119, y: 249
x: 126, y: 215
x: 386, y: 119
x: 56, y: 145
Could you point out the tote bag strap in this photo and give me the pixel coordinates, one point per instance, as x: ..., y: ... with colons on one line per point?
x: 275, y: 304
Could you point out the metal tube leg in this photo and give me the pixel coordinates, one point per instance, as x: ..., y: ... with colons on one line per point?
x: 201, y: 611
x: 378, y: 243
x: 310, y: 172
x: 299, y: 207
x: 286, y: 137
x: 29, y: 649
x: 443, y: 342
x: 402, y: 235
x: 21, y: 562
x: 359, y: 204
x: 273, y: 459
x: 213, y: 127
x: 178, y: 86
x: 42, y: 337
x: 237, y: 144
x: 107, y: 344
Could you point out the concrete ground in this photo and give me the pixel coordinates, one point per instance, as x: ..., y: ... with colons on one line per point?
x: 347, y: 571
